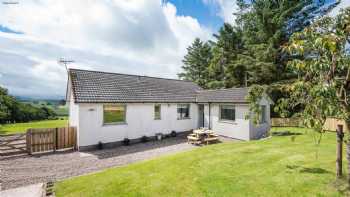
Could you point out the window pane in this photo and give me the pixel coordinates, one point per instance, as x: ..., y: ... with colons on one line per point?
x: 157, y: 112
x: 263, y: 114
x: 183, y: 111
x: 227, y: 112
x: 114, y: 113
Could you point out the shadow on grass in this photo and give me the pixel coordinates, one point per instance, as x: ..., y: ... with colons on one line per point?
x: 285, y: 133
x: 308, y: 170
x: 314, y: 170
x: 342, y: 186
x: 2, y: 130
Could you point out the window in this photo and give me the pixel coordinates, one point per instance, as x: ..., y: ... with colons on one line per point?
x: 183, y: 111
x: 114, y: 114
x: 157, y: 108
x: 227, y: 112
x: 263, y: 114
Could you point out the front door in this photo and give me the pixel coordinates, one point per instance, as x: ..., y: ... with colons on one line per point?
x: 200, y: 115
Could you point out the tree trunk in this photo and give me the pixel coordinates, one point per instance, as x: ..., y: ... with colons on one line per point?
x: 348, y: 152
x: 339, y: 163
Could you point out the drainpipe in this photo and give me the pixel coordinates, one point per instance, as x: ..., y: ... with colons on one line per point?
x: 209, y: 118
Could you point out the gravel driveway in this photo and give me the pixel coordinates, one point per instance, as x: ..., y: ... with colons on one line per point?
x: 26, y: 170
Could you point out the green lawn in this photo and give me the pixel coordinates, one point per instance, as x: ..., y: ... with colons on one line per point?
x: 279, y: 166
x: 22, y: 127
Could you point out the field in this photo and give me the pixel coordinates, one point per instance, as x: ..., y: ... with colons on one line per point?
x: 56, y: 105
x: 279, y: 166
x: 22, y: 127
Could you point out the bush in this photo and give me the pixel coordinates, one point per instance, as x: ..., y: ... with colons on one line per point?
x: 173, y: 134
x: 144, y: 139
x: 126, y: 141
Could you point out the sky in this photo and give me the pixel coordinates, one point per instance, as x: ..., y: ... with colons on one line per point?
x: 144, y: 37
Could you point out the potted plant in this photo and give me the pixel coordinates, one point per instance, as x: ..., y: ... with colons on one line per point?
x: 144, y: 139
x: 126, y: 141
x: 159, y: 136
x: 173, y: 134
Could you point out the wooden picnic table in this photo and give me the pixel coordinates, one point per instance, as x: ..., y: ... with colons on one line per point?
x: 200, y: 136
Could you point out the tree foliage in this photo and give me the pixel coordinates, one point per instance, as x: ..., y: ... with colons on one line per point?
x: 322, y: 63
x: 12, y: 110
x: 196, y: 63
x: 249, y: 52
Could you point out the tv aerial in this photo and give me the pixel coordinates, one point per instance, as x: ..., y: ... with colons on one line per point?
x: 65, y: 62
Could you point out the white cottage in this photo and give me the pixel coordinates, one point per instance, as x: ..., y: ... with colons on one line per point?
x: 108, y: 107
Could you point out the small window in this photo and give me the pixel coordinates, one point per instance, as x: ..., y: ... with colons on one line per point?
x: 183, y: 111
x: 157, y: 108
x: 114, y: 114
x: 263, y: 114
x: 227, y: 112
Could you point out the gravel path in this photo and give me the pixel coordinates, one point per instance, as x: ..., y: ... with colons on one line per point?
x: 16, y: 172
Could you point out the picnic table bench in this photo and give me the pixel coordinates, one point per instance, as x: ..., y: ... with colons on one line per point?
x: 200, y: 136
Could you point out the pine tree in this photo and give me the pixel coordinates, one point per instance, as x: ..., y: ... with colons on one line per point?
x: 250, y: 52
x: 196, y: 63
x: 223, y: 72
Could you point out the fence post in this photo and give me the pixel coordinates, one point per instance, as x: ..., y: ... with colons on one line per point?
x: 340, y: 136
x: 55, y: 139
x: 29, y: 141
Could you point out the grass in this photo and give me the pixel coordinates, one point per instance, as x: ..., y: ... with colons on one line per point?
x: 278, y: 166
x: 113, y: 116
x: 22, y: 127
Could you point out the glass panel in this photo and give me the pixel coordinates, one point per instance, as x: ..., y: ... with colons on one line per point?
x: 157, y: 112
x: 113, y: 114
x: 263, y: 114
x: 227, y: 112
x: 183, y: 111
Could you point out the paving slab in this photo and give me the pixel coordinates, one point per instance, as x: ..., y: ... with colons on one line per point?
x: 35, y: 190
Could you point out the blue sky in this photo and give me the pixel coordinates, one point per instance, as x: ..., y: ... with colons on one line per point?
x: 144, y: 37
x: 8, y: 30
x: 206, y: 14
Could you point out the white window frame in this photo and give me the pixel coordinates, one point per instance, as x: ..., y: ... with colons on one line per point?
x: 113, y: 123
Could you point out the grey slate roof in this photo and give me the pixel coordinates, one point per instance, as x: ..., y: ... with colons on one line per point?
x: 104, y: 87
x: 236, y: 95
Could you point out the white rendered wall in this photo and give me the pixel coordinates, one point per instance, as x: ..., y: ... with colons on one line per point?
x: 238, y: 129
x: 257, y: 131
x: 139, y: 122
x: 73, y: 112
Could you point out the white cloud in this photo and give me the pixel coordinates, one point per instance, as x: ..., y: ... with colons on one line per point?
x: 136, y: 36
x: 342, y: 5
x: 226, y: 8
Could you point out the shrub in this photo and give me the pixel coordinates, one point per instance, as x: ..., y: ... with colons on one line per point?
x: 144, y: 139
x: 126, y: 141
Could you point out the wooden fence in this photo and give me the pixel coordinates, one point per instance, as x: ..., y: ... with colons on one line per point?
x: 330, y: 124
x: 286, y: 122
x: 12, y: 144
x: 51, y: 139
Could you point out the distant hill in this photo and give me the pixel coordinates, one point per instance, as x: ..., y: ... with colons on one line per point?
x: 58, y: 106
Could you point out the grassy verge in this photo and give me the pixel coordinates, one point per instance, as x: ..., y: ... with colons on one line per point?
x: 22, y: 127
x: 278, y: 166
